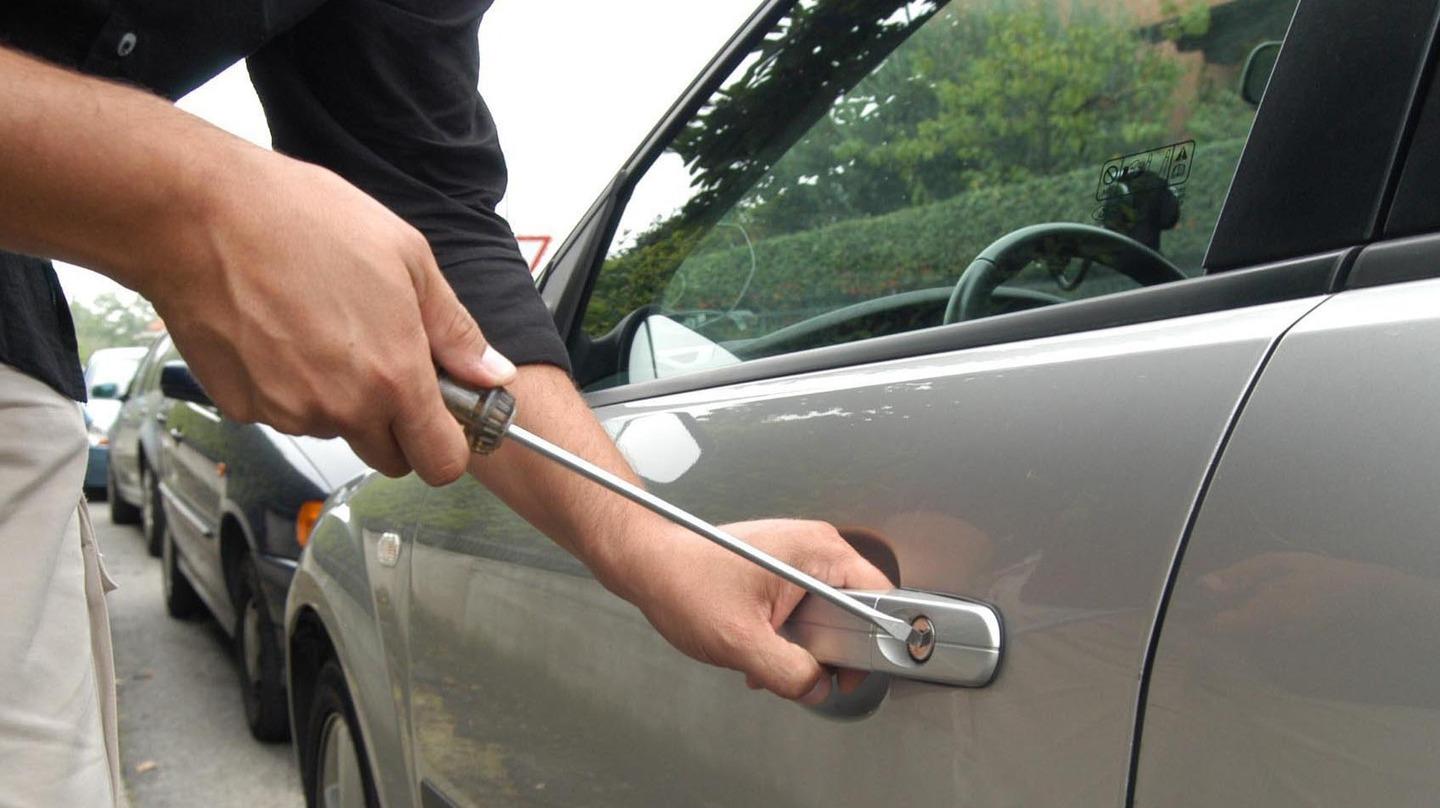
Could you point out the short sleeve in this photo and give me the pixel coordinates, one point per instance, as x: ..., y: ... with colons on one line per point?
x: 385, y: 93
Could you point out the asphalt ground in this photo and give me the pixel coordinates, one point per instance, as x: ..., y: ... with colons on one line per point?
x: 183, y: 740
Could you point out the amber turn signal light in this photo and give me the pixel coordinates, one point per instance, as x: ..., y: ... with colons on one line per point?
x: 305, y: 519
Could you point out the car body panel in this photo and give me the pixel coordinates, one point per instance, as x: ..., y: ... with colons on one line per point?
x: 193, y: 483
x: 255, y: 477
x: 136, y: 432
x: 97, y: 468
x: 330, y: 463
x: 1065, y: 478
x: 1298, y: 652
x: 361, y: 603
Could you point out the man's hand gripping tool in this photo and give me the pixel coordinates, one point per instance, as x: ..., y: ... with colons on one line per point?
x: 488, y: 416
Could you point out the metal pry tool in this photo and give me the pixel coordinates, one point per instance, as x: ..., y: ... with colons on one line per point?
x: 488, y: 417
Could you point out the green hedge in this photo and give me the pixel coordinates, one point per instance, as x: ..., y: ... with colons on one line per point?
x: 916, y: 248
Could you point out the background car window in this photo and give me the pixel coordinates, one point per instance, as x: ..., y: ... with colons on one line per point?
x: 848, y: 174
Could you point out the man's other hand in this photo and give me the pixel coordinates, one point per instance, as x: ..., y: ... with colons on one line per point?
x: 721, y: 609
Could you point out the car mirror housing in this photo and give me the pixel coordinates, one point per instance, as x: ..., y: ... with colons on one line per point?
x: 1258, y: 67
x: 177, y: 382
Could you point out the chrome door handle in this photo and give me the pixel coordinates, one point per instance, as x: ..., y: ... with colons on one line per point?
x: 963, y: 647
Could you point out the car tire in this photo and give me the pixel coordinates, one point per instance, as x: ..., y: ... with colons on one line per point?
x: 332, y: 764
x: 152, y: 510
x: 260, y: 659
x: 180, y: 598
x: 121, y: 512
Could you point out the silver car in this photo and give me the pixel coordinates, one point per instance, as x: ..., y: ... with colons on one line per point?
x: 1052, y: 315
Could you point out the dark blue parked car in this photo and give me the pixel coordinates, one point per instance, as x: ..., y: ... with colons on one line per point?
x: 231, y: 506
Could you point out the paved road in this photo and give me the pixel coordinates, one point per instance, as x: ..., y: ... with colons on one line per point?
x: 183, y: 740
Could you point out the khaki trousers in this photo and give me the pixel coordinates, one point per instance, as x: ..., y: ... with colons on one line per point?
x: 57, y: 672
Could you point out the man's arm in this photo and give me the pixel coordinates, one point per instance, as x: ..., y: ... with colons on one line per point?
x: 710, y: 604
x: 385, y: 92
x: 301, y: 302
x: 298, y: 300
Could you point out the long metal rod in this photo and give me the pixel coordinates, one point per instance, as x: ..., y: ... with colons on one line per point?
x: 892, y: 626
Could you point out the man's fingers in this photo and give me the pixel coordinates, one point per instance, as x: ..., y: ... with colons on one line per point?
x: 857, y: 573
x: 456, y: 342
x: 848, y: 680
x: 380, y: 452
x: 432, y: 441
x: 787, y: 670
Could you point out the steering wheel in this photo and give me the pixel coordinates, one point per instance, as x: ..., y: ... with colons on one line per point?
x: 1004, y: 259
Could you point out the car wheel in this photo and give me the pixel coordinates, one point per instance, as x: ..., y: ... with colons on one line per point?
x: 334, y: 769
x: 262, y: 666
x: 152, y: 512
x: 180, y: 598
x: 121, y: 512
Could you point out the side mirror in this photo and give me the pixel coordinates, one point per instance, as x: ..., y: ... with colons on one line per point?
x: 1258, y: 67
x: 105, y: 390
x: 177, y: 382
x: 662, y: 348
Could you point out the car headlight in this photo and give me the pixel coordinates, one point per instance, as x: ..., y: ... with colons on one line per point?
x: 96, y: 436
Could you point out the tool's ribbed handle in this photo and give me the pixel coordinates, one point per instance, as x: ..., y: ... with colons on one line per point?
x: 485, y: 413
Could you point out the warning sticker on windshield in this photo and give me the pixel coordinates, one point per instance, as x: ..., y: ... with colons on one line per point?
x: 1167, y: 166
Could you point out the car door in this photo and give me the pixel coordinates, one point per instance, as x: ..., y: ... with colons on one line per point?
x: 780, y: 326
x: 193, y: 484
x: 139, y: 406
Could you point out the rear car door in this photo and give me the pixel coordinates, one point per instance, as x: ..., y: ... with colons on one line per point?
x: 779, y: 326
x: 1296, y: 664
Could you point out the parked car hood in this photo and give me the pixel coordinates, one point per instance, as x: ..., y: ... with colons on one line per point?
x: 331, y: 461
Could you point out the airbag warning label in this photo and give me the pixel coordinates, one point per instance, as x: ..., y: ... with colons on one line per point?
x: 1170, y: 164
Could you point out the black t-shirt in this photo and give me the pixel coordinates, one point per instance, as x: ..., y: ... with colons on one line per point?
x: 383, y: 92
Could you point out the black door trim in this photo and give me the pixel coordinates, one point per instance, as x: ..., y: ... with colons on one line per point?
x: 1321, y: 159
x: 1398, y: 261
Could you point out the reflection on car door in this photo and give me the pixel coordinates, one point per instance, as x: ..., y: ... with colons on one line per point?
x: 143, y: 403
x: 1052, y: 478
x: 194, y: 486
x: 1299, y: 652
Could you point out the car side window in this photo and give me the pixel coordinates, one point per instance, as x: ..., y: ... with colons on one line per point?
x: 875, y: 168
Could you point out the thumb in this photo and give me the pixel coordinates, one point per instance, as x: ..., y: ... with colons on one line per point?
x: 787, y: 670
x: 455, y: 339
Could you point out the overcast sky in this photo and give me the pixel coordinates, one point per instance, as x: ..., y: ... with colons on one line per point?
x: 574, y: 85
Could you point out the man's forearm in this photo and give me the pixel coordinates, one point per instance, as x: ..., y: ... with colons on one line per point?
x: 98, y: 173
x: 708, y: 603
x: 598, y: 527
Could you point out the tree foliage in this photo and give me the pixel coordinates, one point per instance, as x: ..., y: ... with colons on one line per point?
x: 977, y: 98
x: 112, y: 321
x: 819, y: 51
